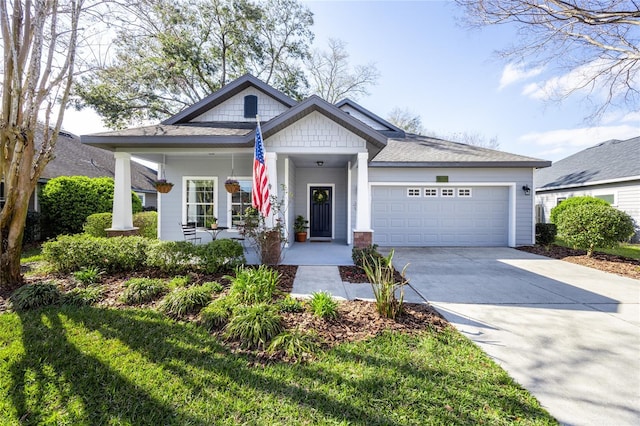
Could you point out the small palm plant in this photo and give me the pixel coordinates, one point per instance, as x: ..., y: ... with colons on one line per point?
x: 381, y: 274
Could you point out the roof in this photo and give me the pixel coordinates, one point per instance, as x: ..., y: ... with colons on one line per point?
x: 72, y: 158
x: 613, y: 160
x: 423, y: 151
x: 393, y: 131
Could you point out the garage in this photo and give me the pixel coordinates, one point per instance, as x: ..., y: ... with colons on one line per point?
x: 440, y: 215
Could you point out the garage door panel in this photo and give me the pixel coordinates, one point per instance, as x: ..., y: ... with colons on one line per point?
x: 479, y: 220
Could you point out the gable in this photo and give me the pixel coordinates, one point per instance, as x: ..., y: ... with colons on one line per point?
x: 232, y: 109
x: 364, y: 118
x: 315, y: 130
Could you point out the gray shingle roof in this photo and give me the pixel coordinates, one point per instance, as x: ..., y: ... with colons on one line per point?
x: 72, y: 158
x: 192, y: 129
x: 423, y: 151
x: 610, y: 160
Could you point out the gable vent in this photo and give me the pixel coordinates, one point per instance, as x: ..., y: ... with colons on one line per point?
x: 250, y: 106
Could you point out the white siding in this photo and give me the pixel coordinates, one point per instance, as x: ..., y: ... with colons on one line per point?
x: 314, y: 131
x: 233, y: 109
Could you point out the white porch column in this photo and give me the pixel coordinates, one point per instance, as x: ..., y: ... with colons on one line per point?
x: 271, y: 160
x: 363, y: 218
x: 122, y: 216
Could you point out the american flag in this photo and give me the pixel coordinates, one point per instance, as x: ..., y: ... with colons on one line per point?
x: 260, y: 192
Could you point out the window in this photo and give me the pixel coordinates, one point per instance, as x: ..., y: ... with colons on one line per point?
x: 413, y: 192
x: 200, y: 199
x: 142, y: 197
x: 240, y: 200
x: 559, y: 200
x: 430, y: 192
x: 464, y: 192
x: 609, y: 198
x: 250, y: 106
x: 447, y: 192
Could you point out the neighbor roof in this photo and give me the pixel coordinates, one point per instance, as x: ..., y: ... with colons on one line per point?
x: 72, y: 158
x: 423, y: 151
x: 608, y: 161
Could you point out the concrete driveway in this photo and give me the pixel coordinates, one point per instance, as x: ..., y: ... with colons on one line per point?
x: 567, y: 333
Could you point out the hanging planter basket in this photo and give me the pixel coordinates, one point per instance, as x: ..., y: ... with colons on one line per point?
x: 163, y: 186
x: 232, y: 186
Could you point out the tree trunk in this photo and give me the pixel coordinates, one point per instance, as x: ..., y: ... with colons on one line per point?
x: 11, y: 247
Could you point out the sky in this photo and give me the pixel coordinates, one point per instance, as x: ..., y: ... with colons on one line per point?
x: 433, y: 66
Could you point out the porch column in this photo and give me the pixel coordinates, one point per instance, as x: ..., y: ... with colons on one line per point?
x: 363, y: 234
x: 122, y: 222
x: 272, y: 174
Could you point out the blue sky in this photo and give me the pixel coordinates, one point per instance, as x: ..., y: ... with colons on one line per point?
x: 433, y: 66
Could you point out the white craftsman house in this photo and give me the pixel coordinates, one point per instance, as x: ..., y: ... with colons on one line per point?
x: 356, y: 177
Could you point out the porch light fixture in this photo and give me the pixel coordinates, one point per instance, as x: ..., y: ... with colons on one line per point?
x: 526, y: 189
x: 320, y: 163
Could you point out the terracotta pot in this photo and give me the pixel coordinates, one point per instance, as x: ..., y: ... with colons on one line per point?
x: 301, y: 237
x: 163, y: 187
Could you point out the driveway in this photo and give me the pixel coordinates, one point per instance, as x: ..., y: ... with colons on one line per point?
x: 567, y: 333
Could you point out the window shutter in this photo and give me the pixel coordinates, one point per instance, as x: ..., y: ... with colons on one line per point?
x: 250, y: 106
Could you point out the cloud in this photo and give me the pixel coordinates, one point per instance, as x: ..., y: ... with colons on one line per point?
x: 516, y: 72
x: 557, y: 144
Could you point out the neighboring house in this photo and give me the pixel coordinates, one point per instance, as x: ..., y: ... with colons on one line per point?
x: 72, y: 158
x: 356, y: 177
x: 609, y: 170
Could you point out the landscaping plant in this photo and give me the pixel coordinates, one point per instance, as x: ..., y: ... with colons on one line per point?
x: 254, y: 285
x: 88, y: 276
x: 142, y: 290
x: 33, y: 296
x: 573, y: 202
x: 254, y: 326
x: 296, y: 344
x: 182, y: 301
x: 84, y: 296
x: 590, y: 226
x: 216, y: 314
x: 381, y: 274
x: 322, y: 305
x: 289, y: 304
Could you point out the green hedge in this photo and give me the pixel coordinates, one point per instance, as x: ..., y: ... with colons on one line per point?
x: 67, y: 201
x: 546, y: 233
x: 572, y: 202
x: 182, y: 256
x: 97, y: 224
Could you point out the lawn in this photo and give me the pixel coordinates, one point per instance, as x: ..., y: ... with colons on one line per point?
x: 97, y: 365
x: 631, y: 251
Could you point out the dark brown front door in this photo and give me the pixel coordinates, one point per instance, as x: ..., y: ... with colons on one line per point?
x: 320, y: 221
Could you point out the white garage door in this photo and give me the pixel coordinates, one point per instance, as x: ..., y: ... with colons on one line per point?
x: 440, y: 216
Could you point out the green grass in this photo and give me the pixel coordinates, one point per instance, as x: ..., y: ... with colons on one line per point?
x: 31, y: 254
x: 625, y: 250
x: 89, y: 365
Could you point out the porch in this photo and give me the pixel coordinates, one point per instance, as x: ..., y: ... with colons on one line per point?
x: 335, y: 252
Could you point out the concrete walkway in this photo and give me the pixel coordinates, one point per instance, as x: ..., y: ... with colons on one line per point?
x: 567, y: 333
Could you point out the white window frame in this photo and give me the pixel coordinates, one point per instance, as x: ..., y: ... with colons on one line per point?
x: 444, y: 192
x: 462, y: 193
x: 230, y: 197
x: 430, y: 192
x: 414, y: 193
x: 185, y: 180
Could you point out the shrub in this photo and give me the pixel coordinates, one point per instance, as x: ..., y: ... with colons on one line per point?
x: 182, y: 256
x: 220, y: 256
x: 289, y: 304
x: 182, y: 281
x: 87, y: 276
x: 360, y: 255
x: 381, y: 274
x: 33, y: 296
x: 172, y: 256
x: 573, y: 202
x: 147, y: 222
x: 97, y: 223
x: 254, y: 326
x: 142, y: 290
x: 322, y: 305
x: 254, y: 285
x: 73, y: 252
x: 67, y: 201
x: 183, y: 301
x: 590, y: 226
x: 84, y: 296
x: 296, y: 344
x: 546, y: 233
x: 215, y: 287
x: 32, y: 228
x: 216, y: 314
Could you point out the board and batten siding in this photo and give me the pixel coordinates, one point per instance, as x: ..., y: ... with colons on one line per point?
x: 466, y: 177
x: 233, y: 108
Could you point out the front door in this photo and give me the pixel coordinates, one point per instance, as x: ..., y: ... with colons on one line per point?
x: 320, y: 220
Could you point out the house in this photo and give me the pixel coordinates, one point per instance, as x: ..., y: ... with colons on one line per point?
x: 73, y: 158
x: 356, y: 177
x: 609, y: 170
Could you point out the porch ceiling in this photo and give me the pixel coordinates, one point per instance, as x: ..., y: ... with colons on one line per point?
x: 328, y: 160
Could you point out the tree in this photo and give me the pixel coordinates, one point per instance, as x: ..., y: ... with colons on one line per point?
x: 333, y: 78
x: 169, y: 56
x: 406, y: 120
x: 475, y: 139
x: 39, y: 41
x: 597, y: 41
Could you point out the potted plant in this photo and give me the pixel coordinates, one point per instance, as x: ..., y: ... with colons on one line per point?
x: 212, y: 223
x: 232, y: 185
x: 300, y: 227
x: 163, y: 186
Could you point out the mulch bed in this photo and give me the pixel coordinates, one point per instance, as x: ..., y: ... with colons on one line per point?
x: 619, y: 265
